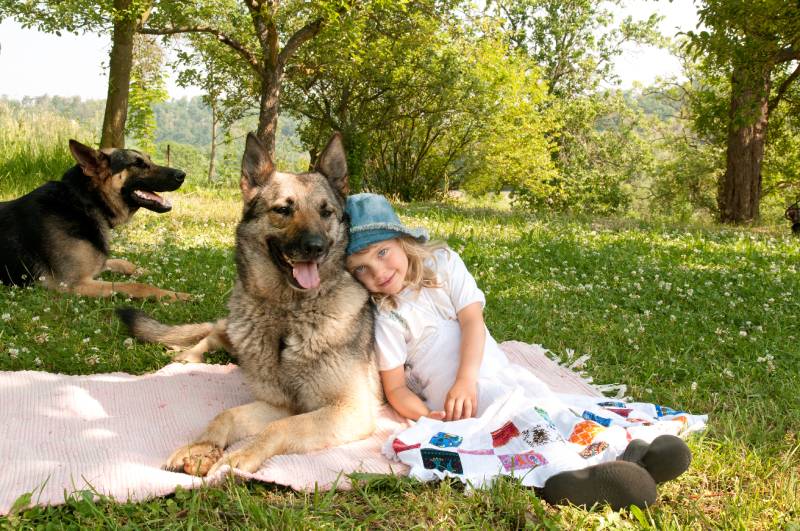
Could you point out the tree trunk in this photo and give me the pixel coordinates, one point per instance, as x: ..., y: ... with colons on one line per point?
x: 739, y: 191
x: 213, y: 156
x: 313, y: 153
x: 119, y: 79
x: 268, y: 111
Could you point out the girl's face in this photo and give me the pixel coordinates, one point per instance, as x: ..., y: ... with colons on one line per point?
x: 381, y: 267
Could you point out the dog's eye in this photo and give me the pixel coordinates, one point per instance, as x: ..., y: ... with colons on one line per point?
x: 282, y: 210
x: 325, y: 212
x: 140, y: 163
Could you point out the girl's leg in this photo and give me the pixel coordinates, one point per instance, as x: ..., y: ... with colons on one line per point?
x: 666, y: 458
x: 619, y: 484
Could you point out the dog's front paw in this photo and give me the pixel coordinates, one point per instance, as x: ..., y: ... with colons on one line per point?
x: 247, y: 460
x: 195, y: 459
x: 190, y: 355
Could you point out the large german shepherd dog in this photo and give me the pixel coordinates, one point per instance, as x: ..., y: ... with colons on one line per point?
x: 299, y: 325
x: 59, y: 233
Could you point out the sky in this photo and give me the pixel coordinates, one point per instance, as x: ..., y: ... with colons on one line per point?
x: 34, y: 63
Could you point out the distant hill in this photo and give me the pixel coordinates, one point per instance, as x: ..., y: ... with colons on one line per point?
x: 184, y: 121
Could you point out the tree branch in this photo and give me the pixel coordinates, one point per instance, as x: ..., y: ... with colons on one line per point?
x: 221, y: 37
x: 260, y: 25
x: 306, y: 33
x: 783, y: 88
x: 790, y: 53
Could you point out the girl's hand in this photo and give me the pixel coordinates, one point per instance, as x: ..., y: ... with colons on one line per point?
x: 436, y: 415
x: 462, y: 400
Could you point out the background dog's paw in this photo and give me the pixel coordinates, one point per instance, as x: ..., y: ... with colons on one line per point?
x: 182, y: 296
x: 194, y: 459
x: 173, y: 296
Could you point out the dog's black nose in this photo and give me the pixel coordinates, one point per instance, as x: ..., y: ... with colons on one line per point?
x: 179, y: 176
x: 312, y: 245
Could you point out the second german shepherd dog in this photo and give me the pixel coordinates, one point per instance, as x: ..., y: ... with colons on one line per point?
x: 299, y: 325
x: 59, y: 233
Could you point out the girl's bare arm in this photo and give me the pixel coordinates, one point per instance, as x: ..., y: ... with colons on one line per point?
x: 402, y: 399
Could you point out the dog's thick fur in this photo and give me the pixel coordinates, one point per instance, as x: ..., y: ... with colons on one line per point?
x: 59, y: 233
x: 299, y: 325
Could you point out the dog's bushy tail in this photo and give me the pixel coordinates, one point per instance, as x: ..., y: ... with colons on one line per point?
x: 145, y: 328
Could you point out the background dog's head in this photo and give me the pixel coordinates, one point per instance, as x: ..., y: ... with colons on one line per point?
x: 293, y: 230
x: 127, y: 179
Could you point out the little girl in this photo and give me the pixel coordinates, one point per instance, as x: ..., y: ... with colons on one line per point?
x: 437, y: 359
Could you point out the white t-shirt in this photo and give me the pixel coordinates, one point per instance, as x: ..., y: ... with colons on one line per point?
x: 424, y: 335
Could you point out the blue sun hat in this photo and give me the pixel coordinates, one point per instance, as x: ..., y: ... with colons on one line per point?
x: 372, y: 219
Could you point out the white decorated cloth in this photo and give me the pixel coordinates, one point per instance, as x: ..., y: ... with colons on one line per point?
x: 533, y: 439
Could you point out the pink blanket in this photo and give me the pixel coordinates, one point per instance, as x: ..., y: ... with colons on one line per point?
x: 112, y: 432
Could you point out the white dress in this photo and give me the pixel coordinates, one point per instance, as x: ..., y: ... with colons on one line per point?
x: 423, y: 334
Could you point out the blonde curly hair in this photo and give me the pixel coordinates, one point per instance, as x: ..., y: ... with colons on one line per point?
x: 418, y: 275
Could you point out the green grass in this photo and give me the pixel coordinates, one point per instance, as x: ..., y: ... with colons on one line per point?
x: 699, y: 317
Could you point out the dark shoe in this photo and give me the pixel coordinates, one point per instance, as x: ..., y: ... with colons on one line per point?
x: 617, y: 483
x: 666, y: 458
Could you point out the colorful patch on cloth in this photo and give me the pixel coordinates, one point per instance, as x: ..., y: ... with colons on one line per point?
x: 539, y: 435
x: 664, y: 410
x: 522, y: 461
x: 584, y: 432
x: 542, y: 413
x: 683, y: 420
x: 476, y: 452
x: 504, y: 434
x: 622, y: 412
x: 593, y: 449
x: 611, y: 403
x: 643, y: 422
x: 588, y: 415
x: 446, y: 440
x: 399, y: 446
x: 441, y: 460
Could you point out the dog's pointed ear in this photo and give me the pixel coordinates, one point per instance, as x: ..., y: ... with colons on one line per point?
x: 332, y: 163
x: 91, y: 161
x: 257, y: 167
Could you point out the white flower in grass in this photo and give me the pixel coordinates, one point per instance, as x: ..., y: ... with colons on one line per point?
x: 743, y: 333
x: 86, y: 340
x: 37, y: 360
x: 727, y: 372
x: 94, y: 359
x: 6, y: 317
x: 35, y: 318
x: 128, y: 342
x: 13, y: 352
x: 694, y: 386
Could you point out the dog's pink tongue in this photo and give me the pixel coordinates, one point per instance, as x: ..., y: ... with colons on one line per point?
x: 306, y: 274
